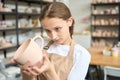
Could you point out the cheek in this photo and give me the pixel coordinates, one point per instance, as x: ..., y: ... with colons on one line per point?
x: 48, y: 34
x: 65, y: 32
x: 66, y: 29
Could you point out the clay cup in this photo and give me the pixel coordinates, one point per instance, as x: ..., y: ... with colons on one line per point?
x: 29, y: 51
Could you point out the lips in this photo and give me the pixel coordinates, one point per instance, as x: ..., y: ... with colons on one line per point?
x: 57, y: 41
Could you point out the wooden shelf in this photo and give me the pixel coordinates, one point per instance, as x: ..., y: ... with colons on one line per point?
x: 29, y: 28
x: 29, y: 14
x: 105, y: 4
x: 109, y: 18
x: 107, y: 15
x: 105, y: 37
x: 8, y: 29
x: 105, y: 25
x: 7, y: 13
x: 8, y: 47
x: 34, y: 1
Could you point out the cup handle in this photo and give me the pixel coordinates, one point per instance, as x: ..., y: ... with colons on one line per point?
x: 39, y: 37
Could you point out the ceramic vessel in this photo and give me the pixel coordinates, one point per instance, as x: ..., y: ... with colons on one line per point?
x: 29, y: 51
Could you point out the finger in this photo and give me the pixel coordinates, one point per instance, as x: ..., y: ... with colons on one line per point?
x: 44, y: 52
x: 41, y: 69
x: 45, y: 55
x: 32, y: 72
x: 12, y: 60
x: 37, y: 70
x: 26, y: 72
x: 37, y: 66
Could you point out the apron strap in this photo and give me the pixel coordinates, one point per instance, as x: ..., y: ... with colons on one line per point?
x: 48, y: 45
x: 71, y: 51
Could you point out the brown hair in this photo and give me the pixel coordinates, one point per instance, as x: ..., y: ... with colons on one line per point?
x: 57, y: 10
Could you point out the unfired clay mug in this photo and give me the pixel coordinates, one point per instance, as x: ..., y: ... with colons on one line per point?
x: 29, y: 51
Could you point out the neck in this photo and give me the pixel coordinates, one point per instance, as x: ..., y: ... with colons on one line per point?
x: 68, y: 41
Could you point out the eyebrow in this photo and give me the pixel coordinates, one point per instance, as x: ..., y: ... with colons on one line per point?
x: 53, y: 27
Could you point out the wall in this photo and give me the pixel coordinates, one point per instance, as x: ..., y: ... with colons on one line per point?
x: 81, y: 11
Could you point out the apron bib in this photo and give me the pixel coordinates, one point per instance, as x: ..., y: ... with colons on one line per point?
x: 62, y: 64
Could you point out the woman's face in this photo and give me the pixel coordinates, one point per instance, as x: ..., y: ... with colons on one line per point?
x: 57, y: 29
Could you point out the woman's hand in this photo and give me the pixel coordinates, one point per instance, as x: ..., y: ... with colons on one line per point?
x: 40, y: 67
x: 23, y: 67
x: 44, y: 66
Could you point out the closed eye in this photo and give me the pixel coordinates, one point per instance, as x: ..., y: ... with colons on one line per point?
x: 57, y: 29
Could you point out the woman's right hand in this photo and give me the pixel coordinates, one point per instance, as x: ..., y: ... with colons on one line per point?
x: 41, y: 66
x: 24, y: 68
x: 46, y: 67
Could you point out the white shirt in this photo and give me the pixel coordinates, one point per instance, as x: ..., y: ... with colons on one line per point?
x: 81, y: 60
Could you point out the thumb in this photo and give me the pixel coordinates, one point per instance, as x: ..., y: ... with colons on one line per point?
x: 44, y: 53
x: 12, y: 60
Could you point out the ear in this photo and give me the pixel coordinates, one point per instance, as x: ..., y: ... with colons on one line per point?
x: 70, y: 21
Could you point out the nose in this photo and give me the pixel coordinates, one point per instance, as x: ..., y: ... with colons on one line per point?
x: 53, y: 35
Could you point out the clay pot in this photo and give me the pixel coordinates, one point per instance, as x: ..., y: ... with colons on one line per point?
x: 29, y: 51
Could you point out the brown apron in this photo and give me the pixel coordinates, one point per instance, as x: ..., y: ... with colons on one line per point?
x: 62, y: 64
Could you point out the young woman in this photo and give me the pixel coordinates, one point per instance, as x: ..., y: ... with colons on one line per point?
x: 68, y: 61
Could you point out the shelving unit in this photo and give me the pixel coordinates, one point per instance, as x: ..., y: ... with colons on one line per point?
x: 105, y: 24
x: 16, y: 16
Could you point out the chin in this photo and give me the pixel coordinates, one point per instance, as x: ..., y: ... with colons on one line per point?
x: 58, y: 42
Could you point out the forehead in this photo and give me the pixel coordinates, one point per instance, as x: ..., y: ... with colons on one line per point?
x: 52, y: 22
